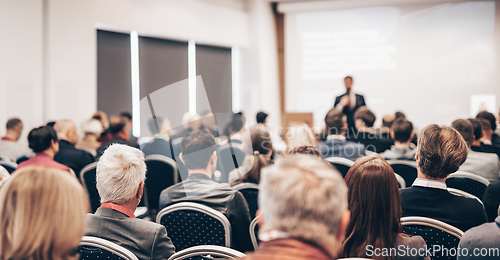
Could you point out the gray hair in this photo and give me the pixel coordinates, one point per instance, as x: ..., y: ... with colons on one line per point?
x: 92, y: 126
x: 303, y: 197
x: 120, y: 171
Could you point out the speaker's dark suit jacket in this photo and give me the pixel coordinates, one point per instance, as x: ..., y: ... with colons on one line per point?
x: 460, y: 212
x: 147, y: 240
x: 360, y: 101
x: 74, y: 158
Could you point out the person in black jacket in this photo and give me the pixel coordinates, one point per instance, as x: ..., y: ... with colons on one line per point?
x: 68, y: 155
x: 349, y: 102
x: 364, y: 120
x: 440, y: 152
x: 200, y: 157
x: 120, y: 134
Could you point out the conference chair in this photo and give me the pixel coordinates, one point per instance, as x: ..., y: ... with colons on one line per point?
x: 191, y: 224
x: 9, y: 166
x: 251, y: 193
x: 254, y: 232
x: 342, y: 164
x: 434, y: 232
x: 464, y: 194
x: 161, y: 174
x: 207, y: 252
x: 24, y: 157
x: 401, y: 181
x: 406, y: 169
x: 468, y: 182
x: 88, y: 180
x: 98, y: 248
x: 229, y: 157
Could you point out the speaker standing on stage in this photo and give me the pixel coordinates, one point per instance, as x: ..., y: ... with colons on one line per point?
x: 349, y: 102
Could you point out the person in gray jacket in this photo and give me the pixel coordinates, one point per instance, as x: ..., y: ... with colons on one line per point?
x: 402, y: 133
x: 482, y: 242
x: 120, y: 176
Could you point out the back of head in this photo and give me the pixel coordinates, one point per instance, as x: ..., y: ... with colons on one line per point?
x: 197, y: 149
x: 366, y: 115
x: 117, y: 124
x: 66, y: 130
x: 43, y: 215
x: 290, y: 192
x: 261, y: 117
x: 490, y: 117
x: 237, y: 122
x: 127, y: 115
x: 92, y: 127
x: 299, y: 135
x: 399, y: 114
x: 388, y: 120
x: 441, y: 150
x: 375, y: 206
x: 478, y: 129
x: 465, y: 128
x: 155, y: 124
x: 13, y: 123
x: 261, y: 139
x: 485, y: 124
x: 253, y: 175
x: 335, y: 122
x: 402, y: 129
x: 120, y: 171
x: 41, y: 138
x: 306, y: 150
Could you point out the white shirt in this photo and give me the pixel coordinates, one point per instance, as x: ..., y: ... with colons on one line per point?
x: 430, y: 184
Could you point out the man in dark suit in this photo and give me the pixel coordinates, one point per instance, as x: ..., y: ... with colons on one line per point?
x: 336, y: 144
x: 200, y: 157
x: 349, y: 102
x: 120, y: 134
x: 440, y: 152
x: 364, y: 120
x: 120, y: 176
x: 68, y: 155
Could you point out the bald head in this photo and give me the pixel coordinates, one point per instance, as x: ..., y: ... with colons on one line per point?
x: 66, y: 130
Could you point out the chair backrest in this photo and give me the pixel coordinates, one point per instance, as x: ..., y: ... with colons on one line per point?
x: 98, y: 248
x: 342, y: 164
x: 24, y: 157
x: 468, y: 182
x: 434, y: 232
x: 88, y: 179
x: 251, y: 193
x: 9, y: 166
x: 207, y: 252
x: 191, y: 224
x: 401, y: 181
x: 254, y: 232
x: 161, y: 174
x: 406, y: 169
x: 464, y: 194
x: 229, y: 157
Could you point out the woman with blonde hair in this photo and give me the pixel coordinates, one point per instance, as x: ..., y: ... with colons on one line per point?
x: 43, y: 215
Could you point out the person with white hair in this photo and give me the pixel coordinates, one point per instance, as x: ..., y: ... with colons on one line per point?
x: 120, y: 176
x: 302, y: 210
x: 68, y: 154
x: 92, y: 130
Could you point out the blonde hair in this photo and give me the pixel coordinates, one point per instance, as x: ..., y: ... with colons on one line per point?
x: 43, y: 215
x: 300, y: 135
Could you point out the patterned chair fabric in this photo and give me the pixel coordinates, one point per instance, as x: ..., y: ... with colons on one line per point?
x: 206, y: 252
x: 190, y: 224
x: 97, y: 248
x: 88, y: 179
x: 342, y: 164
x: 251, y: 193
x: 161, y: 174
x: 406, y: 169
x: 468, y: 182
x: 434, y: 232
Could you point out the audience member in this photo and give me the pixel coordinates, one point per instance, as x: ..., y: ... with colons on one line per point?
x: 299, y: 135
x: 279, y: 145
x: 9, y: 147
x: 495, y: 138
x: 200, y: 157
x: 190, y: 123
x: 261, y: 118
x: 44, y: 143
x: 68, y: 154
x: 440, y: 152
x: 336, y: 144
x: 119, y: 132
x: 306, y: 150
x: 349, y: 102
x: 491, y: 200
x: 233, y: 129
x: 484, y: 241
x: 486, y: 165
x: 128, y: 116
x: 92, y: 131
x: 250, y: 171
x: 387, y: 121
x: 103, y: 119
x: 43, y: 215
x: 364, y: 120
x: 208, y: 123
x: 303, y: 210
x: 51, y: 123
x: 160, y: 144
x: 120, y: 176
x: 477, y: 145
x: 375, y: 207
x: 402, y: 134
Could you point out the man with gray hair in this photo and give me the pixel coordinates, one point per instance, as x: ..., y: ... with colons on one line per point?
x: 303, y: 210
x: 120, y: 176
